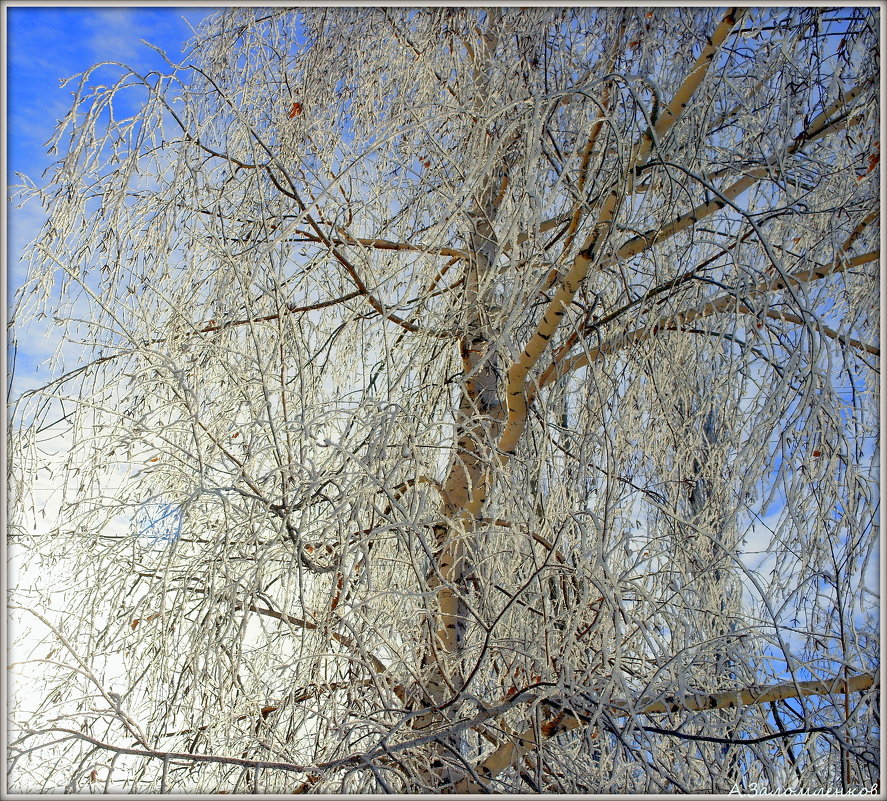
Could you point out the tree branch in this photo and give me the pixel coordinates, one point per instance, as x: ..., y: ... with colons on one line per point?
x: 721, y: 303
x: 516, y: 396
x: 815, y: 130
x: 506, y: 754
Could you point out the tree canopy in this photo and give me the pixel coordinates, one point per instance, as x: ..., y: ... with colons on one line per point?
x: 459, y: 400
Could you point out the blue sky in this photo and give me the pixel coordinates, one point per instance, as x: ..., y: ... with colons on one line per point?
x: 47, y: 44
x: 44, y: 46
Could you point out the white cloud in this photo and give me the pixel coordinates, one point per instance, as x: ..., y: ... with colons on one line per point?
x: 115, y: 34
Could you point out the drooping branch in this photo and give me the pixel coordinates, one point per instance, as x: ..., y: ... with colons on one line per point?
x: 787, y: 317
x: 292, y: 192
x: 691, y: 275
x: 385, y: 244
x: 723, y: 303
x: 505, y: 755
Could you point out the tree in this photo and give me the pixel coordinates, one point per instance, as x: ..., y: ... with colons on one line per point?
x: 445, y: 374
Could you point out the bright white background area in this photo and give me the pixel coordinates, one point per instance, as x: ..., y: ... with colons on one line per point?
x: 44, y: 46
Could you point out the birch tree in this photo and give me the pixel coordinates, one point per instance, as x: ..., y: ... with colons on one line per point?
x: 459, y: 400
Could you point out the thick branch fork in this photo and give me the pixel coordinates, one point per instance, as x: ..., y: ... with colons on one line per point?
x: 557, y: 308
